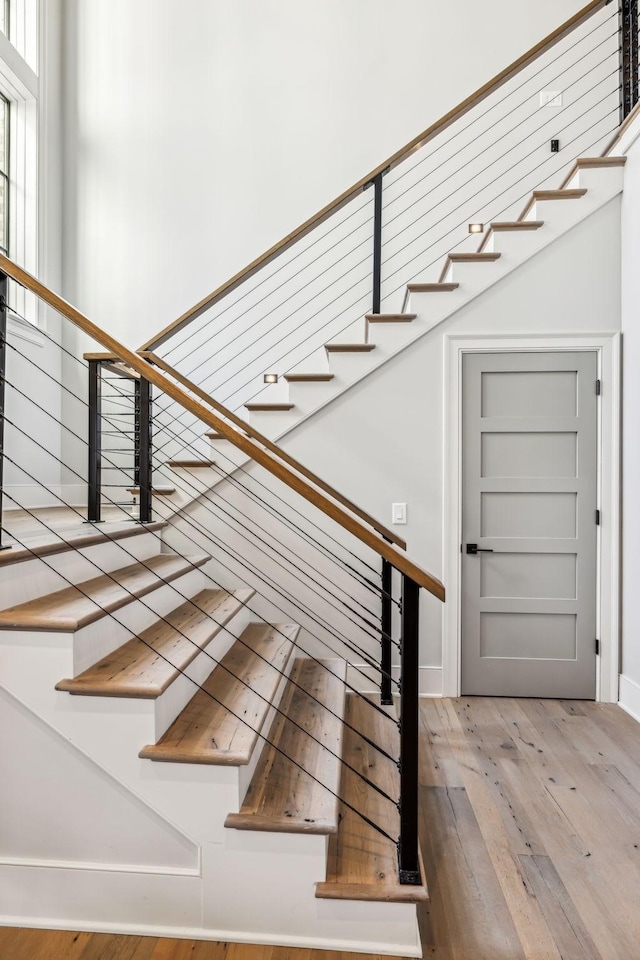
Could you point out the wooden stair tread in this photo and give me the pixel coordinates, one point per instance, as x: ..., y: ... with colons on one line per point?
x: 590, y: 162
x: 503, y: 226
x: 349, y: 347
x: 432, y: 287
x: 561, y: 194
x: 190, y: 464
x: 281, y: 796
x: 362, y: 864
x: 308, y: 377
x: 269, y: 406
x: 477, y: 257
x: 51, y: 543
x: 242, y: 685
x: 74, y: 607
x: 390, y: 317
x: 155, y: 491
x: 146, y: 665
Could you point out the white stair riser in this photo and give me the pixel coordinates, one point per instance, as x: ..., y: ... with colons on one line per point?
x: 308, y: 395
x: 25, y: 581
x: 273, y: 422
x: 348, y: 367
x: 591, y: 179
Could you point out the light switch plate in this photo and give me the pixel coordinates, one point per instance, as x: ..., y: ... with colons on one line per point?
x: 398, y: 513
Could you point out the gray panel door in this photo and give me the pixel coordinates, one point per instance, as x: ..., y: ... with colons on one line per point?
x: 529, y: 500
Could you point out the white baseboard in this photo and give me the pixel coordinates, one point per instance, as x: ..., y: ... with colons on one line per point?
x: 629, y: 697
x: 222, y: 936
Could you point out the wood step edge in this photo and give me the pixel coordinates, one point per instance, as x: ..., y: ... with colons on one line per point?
x: 504, y: 226
x: 167, y: 751
x: 376, y: 893
x: 309, y: 377
x: 253, y: 407
x: 89, y: 685
x: 98, y: 535
x: 432, y: 287
x: 591, y: 162
x: 285, y: 823
x: 541, y: 195
x: 24, y: 616
x: 189, y: 464
x: 349, y: 347
x: 155, y: 491
x: 477, y: 257
x: 390, y: 317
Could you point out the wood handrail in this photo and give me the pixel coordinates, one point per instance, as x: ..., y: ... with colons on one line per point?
x: 274, y: 448
x: 387, y: 550
x: 436, y: 128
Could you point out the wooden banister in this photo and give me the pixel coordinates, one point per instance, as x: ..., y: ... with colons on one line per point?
x: 436, y: 128
x: 274, y: 449
x: 151, y: 373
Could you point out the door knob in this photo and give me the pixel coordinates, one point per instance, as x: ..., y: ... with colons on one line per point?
x: 473, y: 549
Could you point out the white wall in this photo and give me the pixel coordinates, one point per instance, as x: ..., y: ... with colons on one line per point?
x: 630, y: 680
x: 197, y: 136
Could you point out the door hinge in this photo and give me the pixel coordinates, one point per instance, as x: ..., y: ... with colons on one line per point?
x: 597, y: 647
x: 598, y: 387
x: 597, y: 518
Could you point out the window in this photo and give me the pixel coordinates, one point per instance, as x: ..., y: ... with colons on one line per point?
x: 4, y: 175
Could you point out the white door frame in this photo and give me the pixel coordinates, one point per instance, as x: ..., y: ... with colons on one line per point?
x: 607, y: 346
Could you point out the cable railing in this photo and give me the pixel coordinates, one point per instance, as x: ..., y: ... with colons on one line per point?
x: 326, y: 580
x: 357, y: 256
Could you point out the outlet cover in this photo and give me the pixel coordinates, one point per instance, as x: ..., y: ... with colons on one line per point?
x: 550, y: 98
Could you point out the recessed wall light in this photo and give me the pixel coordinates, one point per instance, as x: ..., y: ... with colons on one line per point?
x: 271, y: 378
x: 476, y: 228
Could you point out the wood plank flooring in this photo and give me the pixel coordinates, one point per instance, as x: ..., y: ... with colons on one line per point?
x: 531, y: 843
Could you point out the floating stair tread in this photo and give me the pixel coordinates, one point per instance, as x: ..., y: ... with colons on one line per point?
x: 349, y: 347
x: 74, y: 538
x: 189, y: 464
x: 390, y: 317
x: 75, y: 607
x: 591, y: 162
x: 146, y: 665
x: 214, y: 435
x: 432, y: 287
x: 362, y: 864
x: 308, y: 377
x: 269, y: 406
x: 210, y: 729
x: 282, y: 797
x: 155, y: 491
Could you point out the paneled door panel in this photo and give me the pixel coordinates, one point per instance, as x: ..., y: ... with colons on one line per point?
x: 529, y: 465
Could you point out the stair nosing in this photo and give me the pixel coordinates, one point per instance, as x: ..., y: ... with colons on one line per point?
x: 277, y: 407
x: 349, y: 347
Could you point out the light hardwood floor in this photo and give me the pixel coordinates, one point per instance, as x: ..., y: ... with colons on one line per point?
x: 531, y: 828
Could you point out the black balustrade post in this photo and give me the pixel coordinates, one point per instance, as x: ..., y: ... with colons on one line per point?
x: 3, y: 361
x: 377, y: 242
x: 385, y: 634
x: 95, y: 442
x: 143, y: 440
x: 136, y: 432
x: 629, y: 78
x: 408, y: 859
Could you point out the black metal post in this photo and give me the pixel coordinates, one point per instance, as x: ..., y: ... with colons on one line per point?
x: 3, y: 361
x: 408, y: 860
x: 377, y: 242
x: 385, y: 634
x: 629, y: 78
x: 95, y: 442
x: 144, y: 452
x: 136, y: 432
